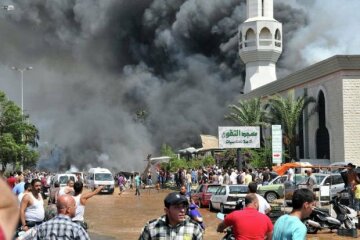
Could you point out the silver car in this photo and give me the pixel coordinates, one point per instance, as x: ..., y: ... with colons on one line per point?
x: 334, y: 182
x: 226, y: 197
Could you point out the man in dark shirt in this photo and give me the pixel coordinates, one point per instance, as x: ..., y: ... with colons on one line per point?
x: 266, y: 176
x: 352, y: 181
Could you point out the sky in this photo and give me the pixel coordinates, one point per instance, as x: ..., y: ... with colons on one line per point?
x: 96, y: 64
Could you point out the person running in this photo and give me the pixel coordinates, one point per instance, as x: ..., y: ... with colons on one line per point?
x: 290, y: 226
x: 174, y: 224
x: 80, y: 200
x: 248, y: 223
x: 121, y: 183
x: 137, y: 184
x: 32, y: 210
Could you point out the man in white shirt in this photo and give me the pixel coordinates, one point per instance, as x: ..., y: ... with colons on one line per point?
x: 233, y: 177
x: 264, y: 206
x: 291, y: 174
x: 220, y: 178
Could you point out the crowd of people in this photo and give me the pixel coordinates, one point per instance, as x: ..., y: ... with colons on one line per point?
x: 22, y: 205
x: 61, y: 218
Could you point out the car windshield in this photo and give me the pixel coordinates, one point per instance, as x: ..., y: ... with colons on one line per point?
x: 103, y: 176
x: 238, y: 189
x: 64, y: 179
x: 212, y: 189
x: 299, y: 179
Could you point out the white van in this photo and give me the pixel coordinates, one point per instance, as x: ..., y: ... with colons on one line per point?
x: 63, y: 178
x: 100, y: 176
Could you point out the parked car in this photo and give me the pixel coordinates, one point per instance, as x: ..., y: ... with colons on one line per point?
x: 274, y: 190
x: 203, y: 193
x: 226, y: 196
x: 334, y: 181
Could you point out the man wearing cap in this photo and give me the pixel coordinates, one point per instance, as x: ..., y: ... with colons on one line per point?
x: 175, y: 224
x: 248, y: 223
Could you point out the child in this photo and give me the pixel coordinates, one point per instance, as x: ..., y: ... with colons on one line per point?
x: 195, y: 215
x: 356, y: 189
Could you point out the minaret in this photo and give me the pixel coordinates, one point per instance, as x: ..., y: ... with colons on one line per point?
x: 260, y: 44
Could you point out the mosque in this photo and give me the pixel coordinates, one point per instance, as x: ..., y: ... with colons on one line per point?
x: 332, y: 134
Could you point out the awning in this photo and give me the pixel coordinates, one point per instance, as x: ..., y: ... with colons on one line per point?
x: 209, y: 142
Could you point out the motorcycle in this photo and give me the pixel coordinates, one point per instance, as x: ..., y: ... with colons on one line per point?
x: 229, y: 234
x: 346, y: 218
x: 345, y: 214
x: 320, y: 219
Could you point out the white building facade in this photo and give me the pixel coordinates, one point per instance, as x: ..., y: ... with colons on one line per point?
x: 332, y: 132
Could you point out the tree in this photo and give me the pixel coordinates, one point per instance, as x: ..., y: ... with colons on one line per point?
x: 251, y: 113
x: 286, y: 111
x: 17, y: 135
x: 247, y: 113
x: 9, y: 150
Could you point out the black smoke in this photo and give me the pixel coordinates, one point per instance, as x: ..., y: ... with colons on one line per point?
x: 99, y: 64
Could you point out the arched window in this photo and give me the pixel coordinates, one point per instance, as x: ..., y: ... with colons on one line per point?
x: 250, y: 38
x: 277, y: 38
x: 265, y: 38
x: 322, y: 134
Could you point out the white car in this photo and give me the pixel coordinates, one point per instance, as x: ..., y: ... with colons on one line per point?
x: 226, y: 196
x: 334, y: 181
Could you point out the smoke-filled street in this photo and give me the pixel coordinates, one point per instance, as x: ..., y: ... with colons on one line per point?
x: 123, y: 217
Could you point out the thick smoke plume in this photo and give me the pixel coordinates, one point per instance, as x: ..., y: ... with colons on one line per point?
x: 113, y: 80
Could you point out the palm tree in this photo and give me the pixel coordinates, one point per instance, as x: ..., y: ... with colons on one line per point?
x: 287, y: 111
x: 250, y: 113
x: 247, y: 113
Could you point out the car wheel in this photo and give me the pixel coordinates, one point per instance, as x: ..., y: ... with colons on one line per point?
x: 211, y: 209
x: 271, y: 196
x: 222, y: 209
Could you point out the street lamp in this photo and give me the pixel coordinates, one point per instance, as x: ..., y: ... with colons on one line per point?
x: 22, y: 70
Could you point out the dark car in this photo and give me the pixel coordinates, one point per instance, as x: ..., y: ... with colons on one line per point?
x: 202, y: 194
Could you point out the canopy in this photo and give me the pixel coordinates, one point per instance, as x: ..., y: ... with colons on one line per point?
x: 281, y: 170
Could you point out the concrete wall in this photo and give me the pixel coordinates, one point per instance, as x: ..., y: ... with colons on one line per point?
x: 351, y: 112
x: 331, y: 86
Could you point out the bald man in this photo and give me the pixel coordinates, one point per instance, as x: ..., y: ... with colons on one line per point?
x: 248, y: 223
x: 61, y: 226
